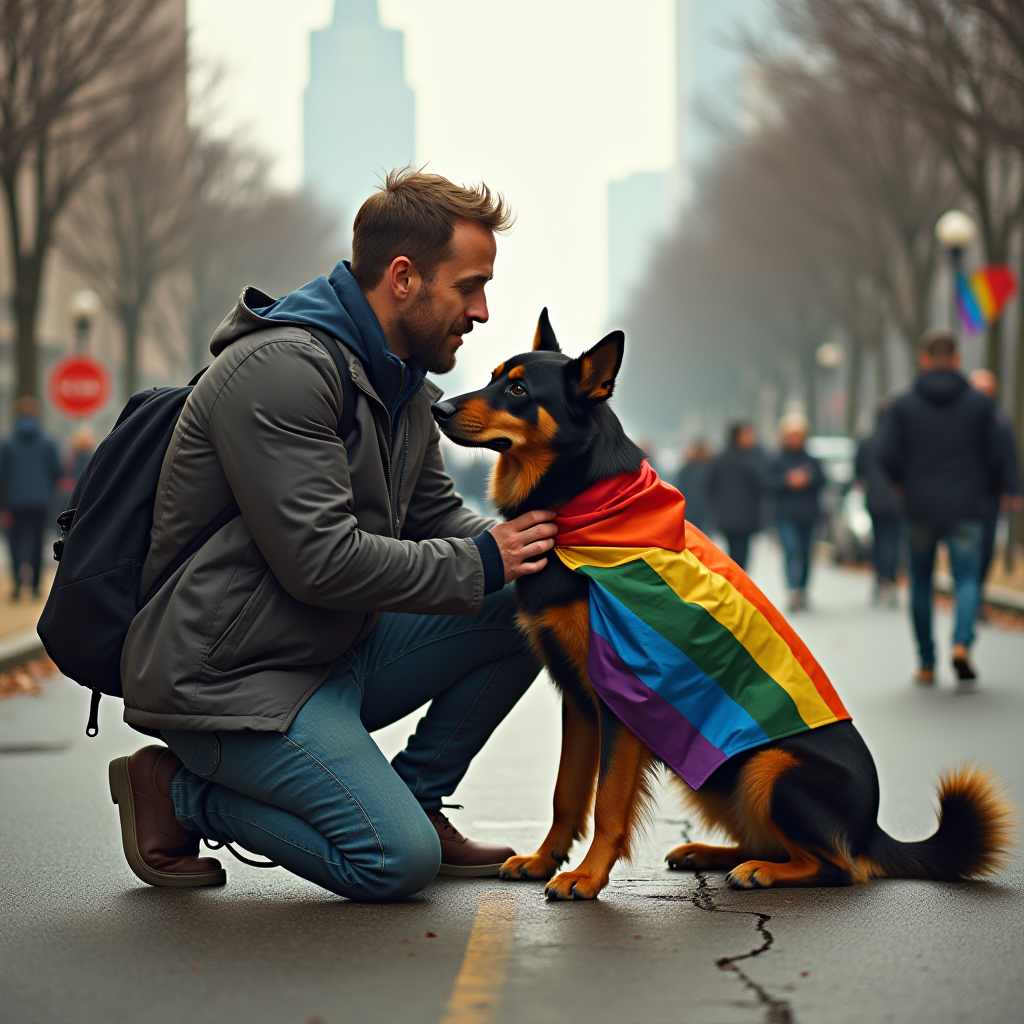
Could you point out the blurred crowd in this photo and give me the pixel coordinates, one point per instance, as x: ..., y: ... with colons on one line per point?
x: 940, y: 466
x: 36, y: 482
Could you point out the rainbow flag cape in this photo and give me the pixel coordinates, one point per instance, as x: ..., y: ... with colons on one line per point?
x: 982, y: 295
x: 684, y: 649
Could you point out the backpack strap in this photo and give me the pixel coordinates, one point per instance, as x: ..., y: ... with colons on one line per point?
x: 347, y: 420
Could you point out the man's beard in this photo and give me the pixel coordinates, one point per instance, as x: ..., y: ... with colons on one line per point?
x: 426, y: 334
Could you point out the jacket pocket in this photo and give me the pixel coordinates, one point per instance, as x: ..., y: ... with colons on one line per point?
x: 222, y: 652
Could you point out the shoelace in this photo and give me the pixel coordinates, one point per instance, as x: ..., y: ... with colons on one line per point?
x: 442, y: 818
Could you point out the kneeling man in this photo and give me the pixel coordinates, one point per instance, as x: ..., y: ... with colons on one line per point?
x: 352, y: 589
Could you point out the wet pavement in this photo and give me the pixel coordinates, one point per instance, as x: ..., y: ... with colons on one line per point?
x: 83, y: 940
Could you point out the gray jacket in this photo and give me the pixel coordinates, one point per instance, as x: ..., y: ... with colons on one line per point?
x: 332, y: 533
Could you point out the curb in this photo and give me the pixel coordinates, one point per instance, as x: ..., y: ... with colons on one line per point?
x: 20, y: 647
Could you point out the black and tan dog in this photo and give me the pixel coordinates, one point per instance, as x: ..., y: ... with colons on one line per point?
x: 799, y: 811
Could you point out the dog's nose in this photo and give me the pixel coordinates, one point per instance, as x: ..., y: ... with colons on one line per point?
x: 443, y: 411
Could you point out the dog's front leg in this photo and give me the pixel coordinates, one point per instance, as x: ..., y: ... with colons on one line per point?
x: 574, y: 793
x: 622, y: 788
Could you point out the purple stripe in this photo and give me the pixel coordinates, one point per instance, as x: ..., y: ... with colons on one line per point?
x: 650, y: 717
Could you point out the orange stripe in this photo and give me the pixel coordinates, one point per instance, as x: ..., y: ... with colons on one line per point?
x: 717, y: 561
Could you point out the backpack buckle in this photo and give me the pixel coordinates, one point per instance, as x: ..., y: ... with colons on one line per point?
x: 64, y: 521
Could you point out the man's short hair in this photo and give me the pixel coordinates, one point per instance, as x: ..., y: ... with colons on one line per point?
x: 938, y: 343
x: 414, y: 214
x: 733, y: 431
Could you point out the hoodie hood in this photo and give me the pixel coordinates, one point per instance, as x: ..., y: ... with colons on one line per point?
x: 940, y: 387
x: 335, y: 305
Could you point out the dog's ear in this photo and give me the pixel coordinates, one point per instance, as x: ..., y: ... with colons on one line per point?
x: 592, y: 375
x: 544, y: 339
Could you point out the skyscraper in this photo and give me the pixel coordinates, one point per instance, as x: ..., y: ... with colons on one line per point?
x: 358, y: 112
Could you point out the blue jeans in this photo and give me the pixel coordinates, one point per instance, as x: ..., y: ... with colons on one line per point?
x: 886, y: 547
x: 796, y: 547
x: 739, y: 547
x: 320, y: 798
x: 963, y: 541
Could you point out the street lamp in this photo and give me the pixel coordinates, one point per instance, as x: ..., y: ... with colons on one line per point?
x: 955, y: 231
x: 85, y: 305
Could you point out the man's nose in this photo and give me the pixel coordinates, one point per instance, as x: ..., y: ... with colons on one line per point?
x: 443, y: 411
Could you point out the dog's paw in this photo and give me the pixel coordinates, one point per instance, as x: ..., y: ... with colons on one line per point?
x: 701, y: 857
x: 574, y: 885
x: 536, y: 867
x: 754, y: 874
x: 682, y: 858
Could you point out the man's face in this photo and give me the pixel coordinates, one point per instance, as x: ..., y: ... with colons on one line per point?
x: 446, y: 307
x: 746, y: 438
x: 794, y: 440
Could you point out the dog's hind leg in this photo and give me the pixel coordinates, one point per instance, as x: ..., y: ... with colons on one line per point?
x: 574, y: 793
x: 623, y: 787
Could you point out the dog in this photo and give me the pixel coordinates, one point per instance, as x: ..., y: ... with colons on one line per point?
x: 800, y: 811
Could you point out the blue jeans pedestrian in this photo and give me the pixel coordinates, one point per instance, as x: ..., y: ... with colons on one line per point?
x: 320, y: 798
x: 886, y: 547
x: 963, y: 541
x: 796, y: 548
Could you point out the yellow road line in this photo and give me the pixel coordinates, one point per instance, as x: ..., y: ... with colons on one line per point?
x: 477, y: 990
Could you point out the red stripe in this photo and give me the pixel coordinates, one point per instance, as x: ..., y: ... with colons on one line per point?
x: 718, y: 562
x: 632, y: 510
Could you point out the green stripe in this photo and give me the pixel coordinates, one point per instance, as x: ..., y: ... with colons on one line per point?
x: 705, y: 641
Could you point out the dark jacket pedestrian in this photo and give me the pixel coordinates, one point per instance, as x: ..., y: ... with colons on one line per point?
x: 795, y: 505
x: 29, y: 470
x: 736, y: 489
x: 942, y: 445
x: 692, y: 482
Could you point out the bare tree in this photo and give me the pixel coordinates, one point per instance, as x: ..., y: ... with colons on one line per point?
x: 131, y: 225
x: 75, y: 76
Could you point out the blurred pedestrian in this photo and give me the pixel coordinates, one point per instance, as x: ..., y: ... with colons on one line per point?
x: 29, y: 470
x: 944, y: 450
x: 884, y: 508
x: 692, y: 481
x: 735, y: 488
x: 1004, y: 495
x: 795, y: 479
x: 83, y: 444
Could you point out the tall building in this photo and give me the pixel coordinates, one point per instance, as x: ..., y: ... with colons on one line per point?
x: 358, y: 112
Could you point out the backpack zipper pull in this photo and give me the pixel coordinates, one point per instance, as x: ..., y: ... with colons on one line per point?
x: 92, y: 727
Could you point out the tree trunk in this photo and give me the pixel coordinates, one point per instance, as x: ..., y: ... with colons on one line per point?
x: 130, y: 324
x: 853, y: 385
x: 27, y: 287
x: 993, y: 350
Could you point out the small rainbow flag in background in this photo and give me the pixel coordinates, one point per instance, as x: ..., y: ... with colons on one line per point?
x: 982, y: 295
x: 684, y: 648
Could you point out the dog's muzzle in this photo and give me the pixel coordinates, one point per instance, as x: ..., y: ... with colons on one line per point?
x: 443, y: 412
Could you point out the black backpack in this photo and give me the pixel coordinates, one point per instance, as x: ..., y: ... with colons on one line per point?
x: 104, y: 537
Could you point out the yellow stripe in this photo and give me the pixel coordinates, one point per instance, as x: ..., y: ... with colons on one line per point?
x: 477, y: 990
x: 695, y: 583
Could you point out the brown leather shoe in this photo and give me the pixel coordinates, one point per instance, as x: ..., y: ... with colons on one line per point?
x: 156, y: 847
x: 464, y: 857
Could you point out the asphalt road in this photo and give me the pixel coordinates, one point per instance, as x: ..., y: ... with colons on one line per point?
x: 82, y: 940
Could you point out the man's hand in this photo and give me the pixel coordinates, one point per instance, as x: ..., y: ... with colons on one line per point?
x: 523, y: 539
x: 1012, y: 503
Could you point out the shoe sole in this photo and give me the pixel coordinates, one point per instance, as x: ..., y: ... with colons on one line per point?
x: 470, y: 870
x: 121, y: 794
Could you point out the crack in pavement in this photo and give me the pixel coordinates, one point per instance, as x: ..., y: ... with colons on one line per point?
x: 777, y: 1011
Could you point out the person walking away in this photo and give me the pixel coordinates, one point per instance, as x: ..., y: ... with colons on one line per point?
x: 944, y: 451
x: 29, y: 470
x: 352, y: 589
x: 692, y: 482
x: 735, y: 490
x: 884, y: 508
x: 83, y: 444
x: 795, y: 479
x: 1004, y: 495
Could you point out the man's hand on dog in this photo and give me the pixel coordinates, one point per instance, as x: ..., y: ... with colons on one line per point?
x: 522, y: 541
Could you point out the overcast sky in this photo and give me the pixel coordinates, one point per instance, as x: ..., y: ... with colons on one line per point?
x: 546, y: 100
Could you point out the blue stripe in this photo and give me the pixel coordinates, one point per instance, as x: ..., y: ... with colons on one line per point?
x: 673, y: 676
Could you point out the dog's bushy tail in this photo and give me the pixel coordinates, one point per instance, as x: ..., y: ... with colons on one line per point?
x: 977, y: 833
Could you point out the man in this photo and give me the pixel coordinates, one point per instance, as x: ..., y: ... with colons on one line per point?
x: 736, y: 489
x: 943, y: 450
x: 29, y: 470
x: 795, y: 478
x: 1005, y: 494
x: 884, y: 509
x: 353, y: 589
x: 692, y: 482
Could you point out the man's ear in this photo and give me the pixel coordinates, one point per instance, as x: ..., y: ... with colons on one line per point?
x: 592, y: 375
x: 544, y: 339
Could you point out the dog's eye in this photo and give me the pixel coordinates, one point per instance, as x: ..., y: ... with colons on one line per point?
x: 516, y: 389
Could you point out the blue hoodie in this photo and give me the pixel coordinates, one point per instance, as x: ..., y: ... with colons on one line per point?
x: 29, y: 467
x: 337, y: 306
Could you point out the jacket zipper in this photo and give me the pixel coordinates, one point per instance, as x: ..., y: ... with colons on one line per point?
x: 397, y: 491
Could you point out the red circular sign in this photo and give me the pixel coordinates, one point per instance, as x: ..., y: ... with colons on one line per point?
x: 79, y: 385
